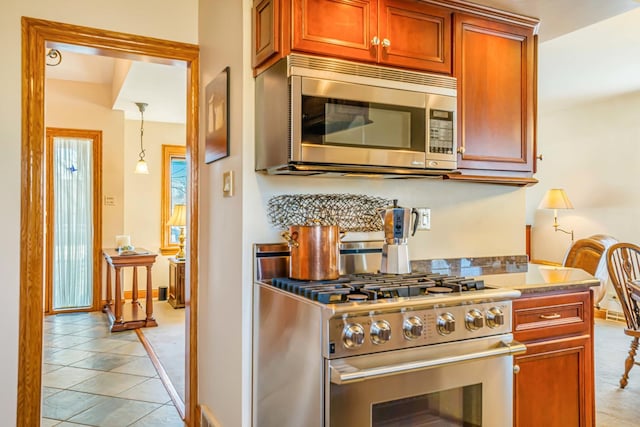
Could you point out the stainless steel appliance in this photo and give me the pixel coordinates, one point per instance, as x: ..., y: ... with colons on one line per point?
x: 317, y: 114
x: 379, y: 350
x: 397, y: 225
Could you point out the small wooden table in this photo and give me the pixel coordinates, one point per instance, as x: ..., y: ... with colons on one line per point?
x: 135, y: 315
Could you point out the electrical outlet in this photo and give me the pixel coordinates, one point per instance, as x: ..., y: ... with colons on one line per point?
x: 424, y: 218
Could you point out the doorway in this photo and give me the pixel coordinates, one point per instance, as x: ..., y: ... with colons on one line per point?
x: 73, y: 243
x: 37, y: 34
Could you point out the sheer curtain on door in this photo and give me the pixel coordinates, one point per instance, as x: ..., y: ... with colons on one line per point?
x: 73, y: 223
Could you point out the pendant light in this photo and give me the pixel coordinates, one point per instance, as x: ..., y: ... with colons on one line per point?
x: 141, y: 166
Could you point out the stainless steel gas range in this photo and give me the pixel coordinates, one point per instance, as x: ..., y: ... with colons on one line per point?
x: 371, y: 349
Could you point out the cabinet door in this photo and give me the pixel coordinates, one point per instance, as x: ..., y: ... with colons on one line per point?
x: 266, y: 30
x: 339, y: 28
x: 414, y: 34
x: 553, y: 385
x: 494, y: 64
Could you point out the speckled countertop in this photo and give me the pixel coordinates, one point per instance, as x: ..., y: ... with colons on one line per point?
x: 511, y: 272
x: 543, y: 278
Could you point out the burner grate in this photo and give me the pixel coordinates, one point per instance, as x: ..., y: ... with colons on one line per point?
x: 370, y: 286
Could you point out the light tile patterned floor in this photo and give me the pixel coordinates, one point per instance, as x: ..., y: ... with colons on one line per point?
x: 94, y: 377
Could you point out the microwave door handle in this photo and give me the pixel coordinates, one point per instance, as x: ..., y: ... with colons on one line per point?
x: 343, y: 373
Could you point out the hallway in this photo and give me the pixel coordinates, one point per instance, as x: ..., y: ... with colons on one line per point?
x: 97, y: 378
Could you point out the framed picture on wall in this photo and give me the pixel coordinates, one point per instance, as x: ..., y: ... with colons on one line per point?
x: 217, y: 118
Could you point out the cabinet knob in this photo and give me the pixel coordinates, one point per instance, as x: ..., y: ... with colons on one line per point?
x: 386, y: 43
x: 539, y: 157
x: 516, y: 369
x: 460, y: 150
x: 375, y: 41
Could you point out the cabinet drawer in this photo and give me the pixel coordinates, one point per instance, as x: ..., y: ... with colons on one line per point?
x: 552, y: 316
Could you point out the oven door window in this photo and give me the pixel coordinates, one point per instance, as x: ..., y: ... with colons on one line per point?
x: 455, y: 407
x: 337, y: 122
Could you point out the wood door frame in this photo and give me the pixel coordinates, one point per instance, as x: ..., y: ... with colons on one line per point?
x: 96, y: 252
x: 36, y: 34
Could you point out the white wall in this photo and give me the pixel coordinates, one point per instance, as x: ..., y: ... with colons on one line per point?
x: 467, y: 219
x: 224, y: 309
x: 143, y: 193
x: 166, y: 19
x: 75, y: 105
x: 592, y: 152
x: 588, y: 132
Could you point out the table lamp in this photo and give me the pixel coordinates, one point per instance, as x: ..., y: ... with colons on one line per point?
x: 179, y: 219
x: 555, y: 199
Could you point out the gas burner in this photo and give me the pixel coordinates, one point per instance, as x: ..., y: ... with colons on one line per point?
x: 440, y: 290
x: 357, y: 288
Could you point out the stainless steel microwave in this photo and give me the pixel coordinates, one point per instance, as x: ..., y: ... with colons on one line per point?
x: 316, y: 114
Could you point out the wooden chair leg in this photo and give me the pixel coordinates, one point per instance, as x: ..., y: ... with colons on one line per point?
x: 628, y: 364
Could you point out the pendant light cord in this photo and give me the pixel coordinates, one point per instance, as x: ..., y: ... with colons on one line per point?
x: 141, y: 107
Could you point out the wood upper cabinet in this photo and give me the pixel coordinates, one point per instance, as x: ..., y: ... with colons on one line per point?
x: 266, y: 30
x: 342, y: 28
x: 404, y: 33
x: 495, y: 67
x: 554, y: 385
x: 418, y: 35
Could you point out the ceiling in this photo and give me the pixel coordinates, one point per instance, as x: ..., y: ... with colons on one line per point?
x: 162, y: 87
x: 560, y: 17
x: 582, y: 42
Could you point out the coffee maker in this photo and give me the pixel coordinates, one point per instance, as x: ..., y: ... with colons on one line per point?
x: 395, y: 250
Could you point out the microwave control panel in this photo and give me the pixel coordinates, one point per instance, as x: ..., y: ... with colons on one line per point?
x: 441, y: 131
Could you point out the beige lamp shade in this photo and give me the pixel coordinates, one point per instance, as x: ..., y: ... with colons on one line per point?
x: 179, y: 216
x: 555, y: 198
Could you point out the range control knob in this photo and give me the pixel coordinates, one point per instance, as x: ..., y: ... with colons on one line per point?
x: 446, y: 323
x: 353, y: 335
x: 412, y: 328
x: 380, y: 332
x: 495, y: 317
x: 474, y: 320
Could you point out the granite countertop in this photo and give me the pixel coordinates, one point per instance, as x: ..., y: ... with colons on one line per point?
x: 542, y: 278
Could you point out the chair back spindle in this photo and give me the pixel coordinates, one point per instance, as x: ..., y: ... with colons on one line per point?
x: 623, y: 263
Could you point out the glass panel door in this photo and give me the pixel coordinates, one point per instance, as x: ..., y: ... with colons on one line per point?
x: 72, y: 212
x: 455, y: 407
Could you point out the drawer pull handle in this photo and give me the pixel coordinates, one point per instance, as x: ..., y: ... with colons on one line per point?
x: 550, y: 316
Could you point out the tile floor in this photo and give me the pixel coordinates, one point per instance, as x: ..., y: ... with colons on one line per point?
x: 92, y: 377
x: 615, y: 407
x: 96, y: 378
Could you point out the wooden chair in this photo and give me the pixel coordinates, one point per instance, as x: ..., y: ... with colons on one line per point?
x: 623, y: 263
x: 589, y: 255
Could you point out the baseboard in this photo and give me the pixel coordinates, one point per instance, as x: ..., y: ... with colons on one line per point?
x: 615, y: 315
x: 206, y: 418
x: 141, y: 294
x: 599, y: 313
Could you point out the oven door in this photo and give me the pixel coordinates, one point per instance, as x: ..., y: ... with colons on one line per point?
x: 467, y: 383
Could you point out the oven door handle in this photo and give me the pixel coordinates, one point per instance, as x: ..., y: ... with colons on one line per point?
x: 345, y: 373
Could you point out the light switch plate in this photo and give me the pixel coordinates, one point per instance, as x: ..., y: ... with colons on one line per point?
x: 227, y: 184
x: 424, y: 218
